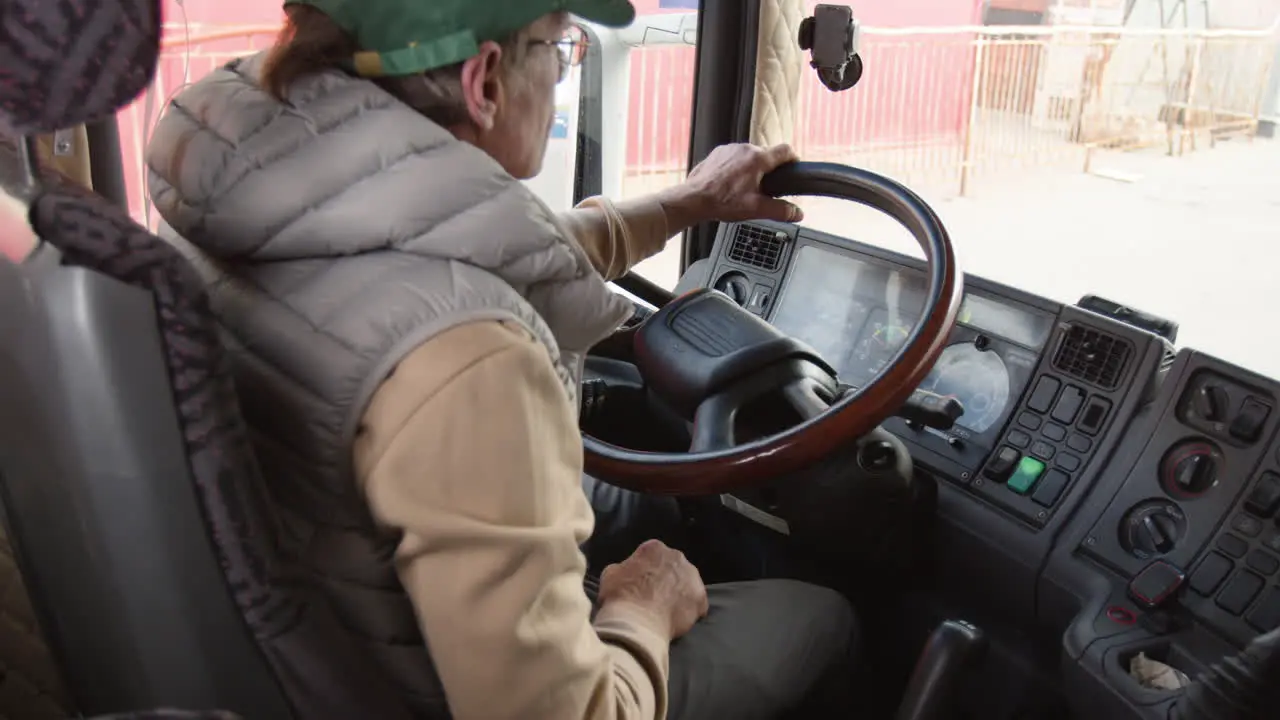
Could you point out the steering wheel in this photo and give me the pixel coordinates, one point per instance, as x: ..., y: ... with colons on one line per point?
x: 708, y: 359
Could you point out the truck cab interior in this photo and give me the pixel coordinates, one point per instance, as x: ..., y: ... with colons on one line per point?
x: 1020, y: 496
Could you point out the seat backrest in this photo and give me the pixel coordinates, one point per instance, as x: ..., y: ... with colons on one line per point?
x: 128, y: 486
x: 99, y: 502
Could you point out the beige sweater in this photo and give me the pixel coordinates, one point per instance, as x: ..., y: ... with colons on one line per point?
x: 472, y: 449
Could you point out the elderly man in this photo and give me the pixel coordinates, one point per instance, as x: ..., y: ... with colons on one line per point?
x: 410, y: 323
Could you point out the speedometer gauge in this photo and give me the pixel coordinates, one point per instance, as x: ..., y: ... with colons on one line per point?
x: 977, y: 378
x: 880, y: 340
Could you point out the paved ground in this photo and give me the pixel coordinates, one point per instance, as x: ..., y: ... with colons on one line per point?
x: 1193, y: 238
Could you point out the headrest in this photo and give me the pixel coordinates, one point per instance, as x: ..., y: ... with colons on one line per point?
x: 68, y: 62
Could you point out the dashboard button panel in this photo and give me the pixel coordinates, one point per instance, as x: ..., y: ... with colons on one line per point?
x: 1058, y: 418
x: 1237, y: 584
x: 1224, y: 408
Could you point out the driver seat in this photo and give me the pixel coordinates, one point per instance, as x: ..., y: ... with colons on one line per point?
x: 135, y: 507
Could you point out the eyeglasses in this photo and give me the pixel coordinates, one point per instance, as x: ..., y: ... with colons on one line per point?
x: 572, y: 46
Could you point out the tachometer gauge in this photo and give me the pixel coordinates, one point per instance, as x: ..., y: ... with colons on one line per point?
x: 880, y: 341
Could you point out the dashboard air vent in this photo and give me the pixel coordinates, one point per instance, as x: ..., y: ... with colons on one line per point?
x: 1092, y: 356
x: 758, y: 247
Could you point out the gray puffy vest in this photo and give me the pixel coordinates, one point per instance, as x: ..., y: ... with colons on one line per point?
x: 338, y: 232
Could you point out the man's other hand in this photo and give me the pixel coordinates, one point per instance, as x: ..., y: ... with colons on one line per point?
x: 660, y: 581
x: 726, y: 187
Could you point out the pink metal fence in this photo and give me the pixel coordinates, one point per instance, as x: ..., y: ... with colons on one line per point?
x: 914, y: 93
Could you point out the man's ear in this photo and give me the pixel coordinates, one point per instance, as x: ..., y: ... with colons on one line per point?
x: 482, y: 85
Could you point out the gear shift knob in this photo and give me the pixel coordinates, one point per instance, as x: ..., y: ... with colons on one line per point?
x: 953, y: 648
x: 1239, y: 687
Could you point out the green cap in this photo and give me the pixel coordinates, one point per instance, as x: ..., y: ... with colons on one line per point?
x: 406, y: 37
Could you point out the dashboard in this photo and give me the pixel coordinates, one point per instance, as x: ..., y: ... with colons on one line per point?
x: 1101, y: 479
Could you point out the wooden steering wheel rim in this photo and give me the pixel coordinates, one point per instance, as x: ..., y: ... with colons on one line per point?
x: 851, y: 417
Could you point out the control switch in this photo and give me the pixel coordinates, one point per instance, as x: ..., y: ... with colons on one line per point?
x: 1266, y: 614
x: 939, y: 412
x: 1158, y: 583
x: 1045, y: 393
x: 1247, y: 425
x: 1212, y: 571
x: 1068, y: 405
x: 1211, y: 402
x: 1238, y: 593
x: 1028, y: 472
x: 1264, y: 500
x: 1001, y: 466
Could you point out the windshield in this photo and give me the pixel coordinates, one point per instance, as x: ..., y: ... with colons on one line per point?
x: 1072, y: 147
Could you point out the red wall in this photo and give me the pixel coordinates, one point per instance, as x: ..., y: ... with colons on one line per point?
x: 225, y: 12
x: 914, y: 88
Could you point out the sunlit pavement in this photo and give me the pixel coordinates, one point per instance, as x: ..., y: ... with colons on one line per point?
x: 1193, y: 238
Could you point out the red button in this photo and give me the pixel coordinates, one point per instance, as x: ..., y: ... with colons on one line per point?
x: 1122, y: 615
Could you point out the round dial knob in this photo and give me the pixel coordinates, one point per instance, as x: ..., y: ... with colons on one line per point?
x: 735, y: 286
x: 877, y: 456
x: 1153, y: 528
x: 1210, y: 402
x: 1191, y: 469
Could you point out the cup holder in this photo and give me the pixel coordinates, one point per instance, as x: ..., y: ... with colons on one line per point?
x: 1163, y: 652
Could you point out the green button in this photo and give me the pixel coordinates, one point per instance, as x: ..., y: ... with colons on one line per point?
x: 1026, y: 475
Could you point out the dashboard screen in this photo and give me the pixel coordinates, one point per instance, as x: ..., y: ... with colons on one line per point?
x: 857, y: 314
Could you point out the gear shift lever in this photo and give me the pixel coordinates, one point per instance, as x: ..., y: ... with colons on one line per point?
x: 954, y: 647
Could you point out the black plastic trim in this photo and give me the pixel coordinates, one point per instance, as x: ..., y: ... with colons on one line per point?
x: 723, y: 94
x: 588, y: 164
x: 106, y: 161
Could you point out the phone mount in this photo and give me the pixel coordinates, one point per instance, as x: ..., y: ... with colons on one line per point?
x: 832, y: 36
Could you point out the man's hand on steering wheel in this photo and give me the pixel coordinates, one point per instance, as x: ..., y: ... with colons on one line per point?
x: 726, y: 187
x: 707, y: 358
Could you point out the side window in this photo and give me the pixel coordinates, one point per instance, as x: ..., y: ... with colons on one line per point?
x: 205, y: 42
x: 622, y: 117
x: 555, y: 183
x: 199, y: 36
x: 636, y: 103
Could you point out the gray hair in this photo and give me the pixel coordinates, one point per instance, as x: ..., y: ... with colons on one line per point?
x: 311, y: 42
x: 438, y: 94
